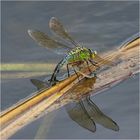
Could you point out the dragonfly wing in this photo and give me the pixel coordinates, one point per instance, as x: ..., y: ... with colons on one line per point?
x: 99, y: 116
x: 59, y: 29
x: 45, y: 41
x: 77, y: 114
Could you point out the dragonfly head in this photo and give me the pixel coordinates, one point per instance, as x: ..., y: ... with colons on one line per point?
x: 94, y: 53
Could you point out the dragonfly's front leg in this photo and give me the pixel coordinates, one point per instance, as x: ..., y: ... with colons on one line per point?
x: 94, y: 63
x: 85, y: 75
x: 87, y: 62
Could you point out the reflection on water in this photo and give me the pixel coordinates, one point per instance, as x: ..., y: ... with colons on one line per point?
x: 100, y: 26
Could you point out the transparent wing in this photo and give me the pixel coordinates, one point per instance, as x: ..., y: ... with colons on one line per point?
x: 99, y: 116
x: 77, y: 113
x: 45, y: 41
x: 59, y: 29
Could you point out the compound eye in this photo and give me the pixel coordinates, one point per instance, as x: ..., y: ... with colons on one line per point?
x: 95, y: 52
x: 90, y: 51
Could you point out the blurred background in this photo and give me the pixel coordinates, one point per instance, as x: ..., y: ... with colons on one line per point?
x: 102, y: 26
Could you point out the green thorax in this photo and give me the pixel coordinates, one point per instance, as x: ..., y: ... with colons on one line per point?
x: 78, y: 54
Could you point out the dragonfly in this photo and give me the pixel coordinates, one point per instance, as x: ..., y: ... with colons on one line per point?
x: 82, y: 110
x: 76, y: 55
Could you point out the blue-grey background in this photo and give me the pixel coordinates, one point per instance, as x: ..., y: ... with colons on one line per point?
x: 99, y: 25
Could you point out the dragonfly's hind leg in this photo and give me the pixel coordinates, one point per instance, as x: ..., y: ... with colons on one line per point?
x: 53, y: 79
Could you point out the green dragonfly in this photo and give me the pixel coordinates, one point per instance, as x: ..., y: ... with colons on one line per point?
x: 83, y: 111
x: 76, y: 54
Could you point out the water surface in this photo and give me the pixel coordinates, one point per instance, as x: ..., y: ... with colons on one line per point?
x: 99, y: 25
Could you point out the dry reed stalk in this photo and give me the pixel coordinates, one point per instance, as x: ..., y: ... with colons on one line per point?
x: 26, y: 111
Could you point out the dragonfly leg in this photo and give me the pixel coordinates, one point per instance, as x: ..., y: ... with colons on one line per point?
x: 53, y: 78
x: 94, y: 63
x: 68, y: 70
x: 88, y: 66
x: 76, y: 72
x: 85, y: 75
x: 56, y: 71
